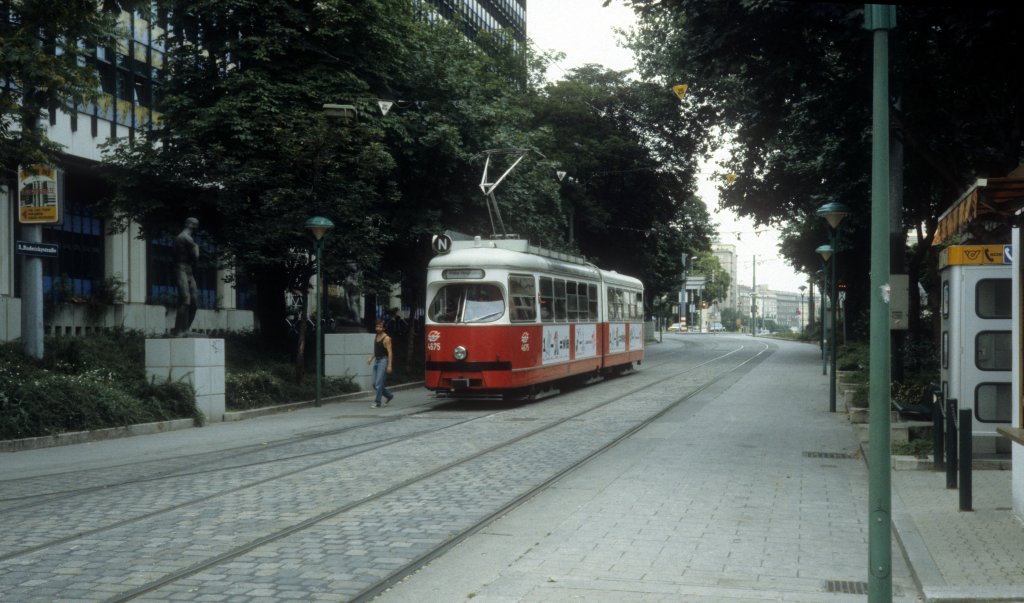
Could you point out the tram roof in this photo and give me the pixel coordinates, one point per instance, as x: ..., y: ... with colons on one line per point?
x: 519, y: 254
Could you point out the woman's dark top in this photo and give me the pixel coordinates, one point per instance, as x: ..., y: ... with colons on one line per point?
x: 379, y: 351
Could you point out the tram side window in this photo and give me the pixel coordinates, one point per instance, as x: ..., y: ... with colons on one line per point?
x: 636, y: 309
x: 560, y: 310
x: 582, y: 303
x: 993, y: 403
x: 592, y: 300
x: 576, y: 298
x: 522, y: 294
x: 571, y: 301
x: 547, y: 299
x: 615, y: 304
x: 993, y: 351
x: 993, y: 298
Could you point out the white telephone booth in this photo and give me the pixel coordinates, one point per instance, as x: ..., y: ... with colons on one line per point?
x: 976, y: 337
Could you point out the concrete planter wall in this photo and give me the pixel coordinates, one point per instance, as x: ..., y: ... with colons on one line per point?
x: 73, y: 320
x: 345, y: 355
x: 197, y: 361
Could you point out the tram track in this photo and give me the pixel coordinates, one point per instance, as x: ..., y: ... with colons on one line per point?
x: 219, y: 456
x: 379, y: 586
x: 369, y: 448
x: 34, y: 499
x: 35, y: 505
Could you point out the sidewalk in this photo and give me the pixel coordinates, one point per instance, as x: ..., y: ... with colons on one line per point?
x: 960, y: 556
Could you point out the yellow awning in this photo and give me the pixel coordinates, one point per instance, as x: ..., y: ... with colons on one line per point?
x: 988, y: 200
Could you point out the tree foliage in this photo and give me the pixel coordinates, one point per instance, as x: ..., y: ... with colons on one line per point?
x: 45, y: 53
x: 630, y: 159
x: 717, y: 281
x: 244, y: 145
x: 789, y: 86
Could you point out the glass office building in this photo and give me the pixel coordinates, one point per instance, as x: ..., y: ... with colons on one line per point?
x: 484, y: 15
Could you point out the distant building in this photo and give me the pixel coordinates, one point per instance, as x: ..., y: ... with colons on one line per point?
x: 483, y: 15
x: 726, y: 254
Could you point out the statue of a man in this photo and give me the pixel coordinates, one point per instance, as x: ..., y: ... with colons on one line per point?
x: 186, y: 254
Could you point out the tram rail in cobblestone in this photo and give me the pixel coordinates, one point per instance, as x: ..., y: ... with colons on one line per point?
x: 377, y: 445
x: 409, y: 568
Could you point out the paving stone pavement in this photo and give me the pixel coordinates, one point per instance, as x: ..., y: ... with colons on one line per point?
x: 749, y: 493
x: 961, y: 556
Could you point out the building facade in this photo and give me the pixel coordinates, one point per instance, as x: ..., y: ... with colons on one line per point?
x: 483, y: 15
x: 726, y: 254
x: 93, y: 257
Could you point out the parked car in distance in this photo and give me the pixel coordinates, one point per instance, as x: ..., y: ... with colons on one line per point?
x: 675, y: 327
x: 717, y: 327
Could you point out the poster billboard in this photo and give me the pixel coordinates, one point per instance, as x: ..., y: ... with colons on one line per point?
x: 39, y: 194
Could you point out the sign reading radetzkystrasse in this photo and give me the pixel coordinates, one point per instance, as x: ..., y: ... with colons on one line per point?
x: 41, y: 250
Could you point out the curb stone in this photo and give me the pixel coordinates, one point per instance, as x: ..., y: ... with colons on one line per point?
x: 95, y: 435
x: 110, y: 433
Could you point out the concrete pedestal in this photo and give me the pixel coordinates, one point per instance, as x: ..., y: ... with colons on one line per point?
x: 345, y: 354
x: 198, y: 361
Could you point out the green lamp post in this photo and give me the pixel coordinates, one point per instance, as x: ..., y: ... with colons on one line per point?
x: 833, y: 214
x: 318, y: 227
x: 826, y: 251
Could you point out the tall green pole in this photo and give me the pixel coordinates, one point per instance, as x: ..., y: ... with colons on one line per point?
x: 319, y: 320
x: 879, y: 19
x: 832, y: 335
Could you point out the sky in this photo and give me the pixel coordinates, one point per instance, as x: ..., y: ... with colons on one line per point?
x: 585, y: 32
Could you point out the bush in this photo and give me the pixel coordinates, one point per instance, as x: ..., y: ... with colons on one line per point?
x: 84, y: 383
x: 920, y: 444
x: 251, y: 389
x: 100, y: 381
x: 852, y: 356
x: 49, y: 403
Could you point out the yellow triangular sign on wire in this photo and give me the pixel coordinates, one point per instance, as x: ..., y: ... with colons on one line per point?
x: 385, y: 106
x: 731, y: 178
x: 680, y: 90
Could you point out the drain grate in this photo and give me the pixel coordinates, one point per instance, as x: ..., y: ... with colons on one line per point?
x: 851, y: 587
x: 829, y: 455
x: 846, y: 586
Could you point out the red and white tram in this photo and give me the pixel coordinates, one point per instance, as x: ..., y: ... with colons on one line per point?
x: 506, y: 317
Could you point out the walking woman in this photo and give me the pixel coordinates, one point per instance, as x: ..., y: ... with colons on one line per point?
x: 381, y: 360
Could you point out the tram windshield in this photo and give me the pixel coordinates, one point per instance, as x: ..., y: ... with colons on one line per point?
x: 476, y: 302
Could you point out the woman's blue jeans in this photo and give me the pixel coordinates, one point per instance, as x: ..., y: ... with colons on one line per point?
x: 380, y: 372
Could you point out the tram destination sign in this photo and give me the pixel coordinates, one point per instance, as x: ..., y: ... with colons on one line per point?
x: 39, y: 250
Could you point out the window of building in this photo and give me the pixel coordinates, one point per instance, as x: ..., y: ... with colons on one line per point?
x: 79, y: 266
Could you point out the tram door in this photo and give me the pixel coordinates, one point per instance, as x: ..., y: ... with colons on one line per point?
x: 976, y: 345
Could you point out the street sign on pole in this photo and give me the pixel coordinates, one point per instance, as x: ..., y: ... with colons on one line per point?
x: 39, y: 250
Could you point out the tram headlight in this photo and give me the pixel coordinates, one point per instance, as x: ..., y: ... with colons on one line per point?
x: 459, y: 352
